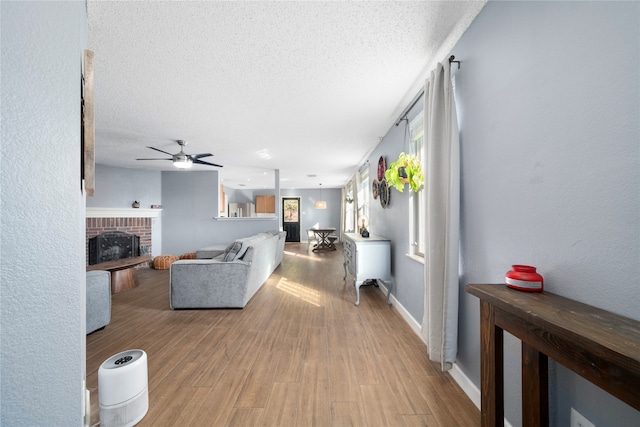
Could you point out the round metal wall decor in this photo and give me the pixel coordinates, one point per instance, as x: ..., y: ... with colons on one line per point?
x: 384, y: 193
x: 375, y: 188
x: 382, y: 167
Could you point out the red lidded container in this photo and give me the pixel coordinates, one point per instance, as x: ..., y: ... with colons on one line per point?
x: 524, y: 278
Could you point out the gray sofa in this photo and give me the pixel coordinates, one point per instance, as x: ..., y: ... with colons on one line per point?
x: 98, y: 309
x: 231, y: 277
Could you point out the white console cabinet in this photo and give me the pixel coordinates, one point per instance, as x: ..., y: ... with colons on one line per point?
x: 368, y: 260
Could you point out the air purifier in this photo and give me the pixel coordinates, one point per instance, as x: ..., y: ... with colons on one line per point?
x: 123, y: 389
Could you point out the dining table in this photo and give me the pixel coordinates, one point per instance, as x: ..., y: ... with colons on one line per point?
x: 325, y: 239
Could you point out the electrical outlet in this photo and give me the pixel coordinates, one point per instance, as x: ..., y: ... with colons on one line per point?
x: 578, y: 420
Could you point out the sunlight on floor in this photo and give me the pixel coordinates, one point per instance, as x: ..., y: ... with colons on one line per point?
x: 299, y: 291
x: 307, y: 257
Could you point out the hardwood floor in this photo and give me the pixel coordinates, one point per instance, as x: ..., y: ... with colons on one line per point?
x: 299, y: 354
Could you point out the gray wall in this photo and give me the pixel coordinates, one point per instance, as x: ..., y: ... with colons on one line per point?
x: 310, y: 217
x: 393, y: 223
x: 189, y: 201
x: 42, y: 285
x: 188, y: 197
x: 548, y: 102
x: 119, y: 187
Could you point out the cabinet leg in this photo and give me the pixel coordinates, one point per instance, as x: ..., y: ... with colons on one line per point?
x: 358, y: 284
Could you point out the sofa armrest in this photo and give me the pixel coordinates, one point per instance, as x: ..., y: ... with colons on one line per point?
x: 98, y: 300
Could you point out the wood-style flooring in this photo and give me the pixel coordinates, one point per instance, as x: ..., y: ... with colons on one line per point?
x: 299, y: 354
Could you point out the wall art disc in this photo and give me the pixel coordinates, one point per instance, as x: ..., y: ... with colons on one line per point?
x: 375, y: 188
x: 382, y: 167
x: 384, y: 193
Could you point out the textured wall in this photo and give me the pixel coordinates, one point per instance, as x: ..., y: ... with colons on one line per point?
x: 42, y: 269
x: 393, y: 223
x: 310, y: 217
x: 549, y: 108
x: 119, y: 187
x: 189, y: 200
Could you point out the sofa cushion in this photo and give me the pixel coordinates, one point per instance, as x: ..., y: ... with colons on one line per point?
x: 210, y: 252
x: 231, y: 252
x: 248, y: 242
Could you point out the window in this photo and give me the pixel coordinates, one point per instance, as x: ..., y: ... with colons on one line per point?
x: 349, y: 213
x: 363, y: 193
x: 417, y: 208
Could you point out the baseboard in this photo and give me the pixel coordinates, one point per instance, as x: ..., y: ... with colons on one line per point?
x: 469, y: 388
x: 466, y: 384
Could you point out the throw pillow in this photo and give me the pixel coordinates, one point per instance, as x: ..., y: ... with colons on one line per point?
x: 233, y: 250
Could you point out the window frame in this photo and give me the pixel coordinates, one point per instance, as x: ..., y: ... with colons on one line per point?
x: 417, y: 208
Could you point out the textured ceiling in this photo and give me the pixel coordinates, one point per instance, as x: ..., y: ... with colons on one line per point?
x: 304, y: 87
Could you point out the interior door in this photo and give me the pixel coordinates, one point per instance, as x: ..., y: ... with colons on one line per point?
x: 291, y: 218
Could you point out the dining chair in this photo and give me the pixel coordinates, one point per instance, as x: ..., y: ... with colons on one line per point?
x: 311, y: 236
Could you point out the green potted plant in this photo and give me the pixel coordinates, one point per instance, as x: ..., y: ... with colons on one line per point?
x: 349, y: 198
x: 406, y: 170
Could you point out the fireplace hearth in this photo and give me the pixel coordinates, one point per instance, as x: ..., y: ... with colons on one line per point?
x: 112, y: 246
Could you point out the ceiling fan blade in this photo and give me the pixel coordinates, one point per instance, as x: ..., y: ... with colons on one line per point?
x: 201, y: 155
x: 202, y: 162
x: 156, y: 159
x: 157, y: 149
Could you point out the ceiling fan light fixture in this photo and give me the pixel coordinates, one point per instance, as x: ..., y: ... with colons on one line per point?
x: 182, y: 162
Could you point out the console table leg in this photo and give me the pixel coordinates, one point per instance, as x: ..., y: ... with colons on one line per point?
x: 491, y: 368
x: 358, y: 284
x: 535, y: 392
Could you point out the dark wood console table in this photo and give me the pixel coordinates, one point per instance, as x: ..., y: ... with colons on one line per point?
x: 601, y: 346
x: 123, y: 273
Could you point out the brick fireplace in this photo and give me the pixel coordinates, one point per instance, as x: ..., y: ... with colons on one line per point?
x: 141, y: 227
x: 136, y: 221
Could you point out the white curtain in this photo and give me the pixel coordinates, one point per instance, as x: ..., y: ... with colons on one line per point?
x: 442, y: 186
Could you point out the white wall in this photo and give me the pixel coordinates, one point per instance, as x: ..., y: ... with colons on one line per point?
x: 42, y: 305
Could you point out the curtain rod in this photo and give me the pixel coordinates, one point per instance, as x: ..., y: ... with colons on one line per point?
x: 403, y: 115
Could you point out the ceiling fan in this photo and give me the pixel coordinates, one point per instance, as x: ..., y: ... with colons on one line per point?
x: 183, y: 160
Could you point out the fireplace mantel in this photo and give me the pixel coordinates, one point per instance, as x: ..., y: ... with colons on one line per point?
x: 122, y: 213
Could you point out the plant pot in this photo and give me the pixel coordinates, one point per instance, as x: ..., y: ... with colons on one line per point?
x: 402, y: 174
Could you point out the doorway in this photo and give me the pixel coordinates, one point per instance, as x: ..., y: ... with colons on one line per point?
x: 291, y: 218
